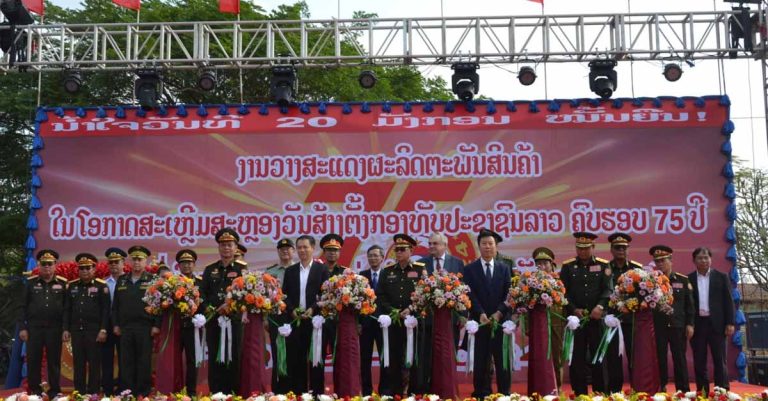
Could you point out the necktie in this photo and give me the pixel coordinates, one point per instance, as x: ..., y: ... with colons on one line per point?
x: 437, y: 264
x: 375, y: 279
x: 488, y: 271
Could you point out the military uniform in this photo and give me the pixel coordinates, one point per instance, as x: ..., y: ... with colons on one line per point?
x: 42, y: 318
x: 557, y: 324
x: 277, y: 271
x: 588, y: 285
x: 670, y: 329
x: 112, y: 345
x: 86, y: 315
x: 394, y: 293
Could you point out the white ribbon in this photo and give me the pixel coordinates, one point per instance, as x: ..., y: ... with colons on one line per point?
x: 509, y: 327
x: 472, y: 328
x: 198, y: 321
x: 410, y: 324
x: 615, y: 325
x: 317, y: 340
x: 385, y: 321
x: 572, y: 325
x: 225, y: 340
x: 285, y: 330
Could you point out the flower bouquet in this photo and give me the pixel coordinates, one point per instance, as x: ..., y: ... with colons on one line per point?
x: 347, y: 290
x: 533, y: 288
x: 172, y: 292
x: 638, y: 289
x: 442, y: 290
x: 257, y: 293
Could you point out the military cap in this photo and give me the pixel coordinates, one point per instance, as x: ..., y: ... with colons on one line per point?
x: 331, y: 241
x: 47, y: 255
x: 227, y: 234
x: 86, y: 259
x: 542, y: 253
x: 619, y: 239
x: 404, y: 241
x: 186, y: 255
x: 162, y: 268
x: 488, y: 233
x: 285, y: 242
x: 241, y: 250
x: 138, y: 251
x: 115, y: 254
x: 584, y: 239
x: 660, y: 252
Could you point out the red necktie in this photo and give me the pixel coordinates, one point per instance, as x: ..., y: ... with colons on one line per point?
x: 437, y: 263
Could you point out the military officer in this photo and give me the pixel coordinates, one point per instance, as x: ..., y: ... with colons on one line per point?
x: 588, y: 285
x: 545, y: 261
x: 673, y: 330
x: 331, y: 245
x: 619, y: 265
x: 41, y: 322
x: 240, y: 252
x: 186, y: 259
x: 86, y: 319
x: 115, y: 263
x: 217, y: 276
x: 394, y: 298
x: 134, y: 325
x: 285, y: 253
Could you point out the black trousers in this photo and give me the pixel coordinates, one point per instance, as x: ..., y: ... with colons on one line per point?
x: 190, y: 369
x: 485, y: 348
x: 86, y: 360
x: 706, y: 336
x: 108, y: 350
x: 672, y: 339
x: 371, y: 334
x: 136, y: 359
x: 48, y: 338
x: 614, y: 364
x: 223, y: 377
x: 280, y: 385
x: 586, y: 338
x: 299, y: 366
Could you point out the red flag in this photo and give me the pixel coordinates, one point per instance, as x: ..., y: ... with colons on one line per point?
x: 229, y: 6
x: 132, y: 4
x: 35, y: 6
x: 538, y: 1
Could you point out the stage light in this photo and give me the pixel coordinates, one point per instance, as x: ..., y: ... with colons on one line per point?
x: 602, y: 77
x: 465, y: 82
x: 207, y: 80
x: 367, y: 79
x: 672, y: 72
x: 283, y: 85
x: 148, y: 87
x: 72, y: 82
x: 16, y: 13
x: 526, y: 75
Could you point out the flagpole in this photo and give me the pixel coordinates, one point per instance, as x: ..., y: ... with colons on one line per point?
x: 240, y: 63
x: 40, y: 71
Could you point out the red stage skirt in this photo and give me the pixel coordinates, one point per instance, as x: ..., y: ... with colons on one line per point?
x: 443, y: 359
x: 346, y: 367
x: 252, y: 370
x: 170, y: 371
x: 645, y: 366
x: 541, y: 372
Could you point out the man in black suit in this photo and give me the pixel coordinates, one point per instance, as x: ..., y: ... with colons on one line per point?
x: 488, y: 280
x: 371, y: 331
x: 439, y: 259
x: 301, y: 286
x: 714, y: 320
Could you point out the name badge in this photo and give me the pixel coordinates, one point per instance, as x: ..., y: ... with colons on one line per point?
x: 413, y: 274
x: 594, y: 269
x: 677, y: 285
x: 56, y: 286
x: 231, y: 274
x: 91, y: 290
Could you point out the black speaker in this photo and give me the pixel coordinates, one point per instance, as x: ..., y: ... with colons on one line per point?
x: 16, y: 13
x: 757, y: 326
x: 758, y: 372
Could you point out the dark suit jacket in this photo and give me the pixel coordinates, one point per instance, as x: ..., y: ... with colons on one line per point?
x: 721, y: 309
x: 318, y: 274
x: 452, y: 264
x: 488, y: 298
x: 364, y: 320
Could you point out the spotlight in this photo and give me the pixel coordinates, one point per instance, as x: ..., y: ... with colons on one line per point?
x: 72, y: 81
x: 207, y: 80
x: 526, y: 75
x: 672, y: 72
x: 147, y: 87
x: 465, y: 82
x: 283, y: 85
x: 367, y: 79
x: 602, y: 77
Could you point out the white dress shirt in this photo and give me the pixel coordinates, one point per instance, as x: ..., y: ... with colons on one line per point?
x: 111, y: 282
x: 702, y: 281
x: 487, y: 263
x: 303, y: 277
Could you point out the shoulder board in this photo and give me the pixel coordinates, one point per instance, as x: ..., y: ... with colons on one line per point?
x: 636, y: 264
x: 571, y: 260
x: 77, y: 280
x: 601, y: 260
x: 681, y: 275
x: 240, y: 262
x: 198, y: 277
x: 98, y: 280
x: 418, y: 264
x: 390, y: 265
x: 61, y: 279
x: 33, y: 277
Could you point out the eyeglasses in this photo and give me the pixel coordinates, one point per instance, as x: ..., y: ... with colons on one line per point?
x: 84, y: 267
x: 401, y: 249
x: 114, y: 262
x: 46, y: 264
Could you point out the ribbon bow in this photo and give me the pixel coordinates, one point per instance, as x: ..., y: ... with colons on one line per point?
x: 225, y: 340
x: 384, y: 322
x: 317, y: 340
x: 472, y: 328
x: 410, y: 324
x: 198, y: 321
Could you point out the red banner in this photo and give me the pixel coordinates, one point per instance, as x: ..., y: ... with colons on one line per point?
x: 535, y: 173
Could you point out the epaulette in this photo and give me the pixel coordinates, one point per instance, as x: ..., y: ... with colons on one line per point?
x: 636, y: 264
x: 197, y: 276
x: 240, y: 262
x: 681, y: 275
x: 418, y: 264
x: 74, y: 281
x: 601, y: 260
x: 393, y: 264
x: 60, y: 278
x: 34, y: 276
x: 565, y: 262
x: 98, y: 280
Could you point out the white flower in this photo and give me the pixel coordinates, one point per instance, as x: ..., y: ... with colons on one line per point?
x: 386, y: 398
x: 472, y: 327
x: 106, y: 399
x: 35, y: 398
x: 433, y: 397
x: 306, y: 397
x: 550, y: 397
x: 324, y: 397
x: 573, y: 323
x: 282, y: 397
x: 618, y: 397
x: 508, y: 327
x: 385, y: 321
x: 612, y: 321
x: 659, y: 397
x: 504, y: 398
x: 411, y: 322
x: 257, y: 398
x: 411, y: 398
x: 733, y: 396
x: 597, y: 398
x: 285, y: 330
x: 691, y: 395
x: 317, y: 322
x: 219, y: 396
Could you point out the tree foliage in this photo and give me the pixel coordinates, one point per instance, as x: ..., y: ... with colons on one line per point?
x: 752, y: 225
